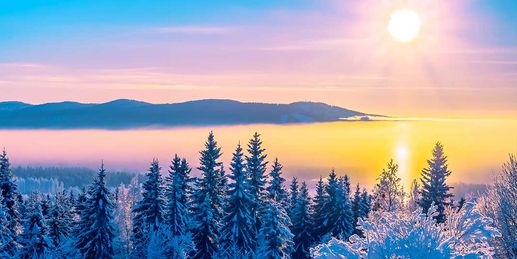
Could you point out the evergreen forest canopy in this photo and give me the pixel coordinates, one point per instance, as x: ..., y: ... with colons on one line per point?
x: 248, y: 210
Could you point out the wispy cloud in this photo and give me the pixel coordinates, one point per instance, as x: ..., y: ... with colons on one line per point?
x: 315, y: 44
x: 495, y: 62
x: 20, y: 65
x: 193, y: 29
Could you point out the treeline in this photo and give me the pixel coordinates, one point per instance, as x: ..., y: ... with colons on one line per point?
x: 70, y: 176
x: 245, y: 211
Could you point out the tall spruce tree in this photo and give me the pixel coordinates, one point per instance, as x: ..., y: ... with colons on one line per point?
x: 366, y: 203
x: 176, y: 213
x: 60, y: 220
x: 96, y: 225
x: 177, y: 196
x: 148, y: 212
x: 237, y: 233
x: 330, y: 206
x: 293, y: 196
x: 34, y: 238
x: 8, y: 245
x: 434, y: 188
x: 208, y: 198
x: 318, y: 212
x: 342, y: 215
x: 388, y: 193
x: 276, y: 186
x: 275, y: 237
x: 9, y: 193
x: 357, y: 210
x: 302, y: 223
x: 256, y: 167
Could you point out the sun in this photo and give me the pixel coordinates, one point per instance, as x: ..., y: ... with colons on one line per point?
x: 404, y: 25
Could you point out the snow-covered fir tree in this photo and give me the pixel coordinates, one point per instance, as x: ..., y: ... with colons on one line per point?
x: 275, y: 239
x: 123, y: 220
x: 60, y: 220
x: 361, y: 204
x: 293, y: 195
x: 177, y: 190
x: 34, y: 238
x: 302, y: 223
x: 176, y: 210
x: 207, y: 201
x: 338, y: 217
x: 9, y: 194
x: 331, y: 194
x: 388, y: 194
x: 366, y: 203
x: 96, y: 227
x: 357, y: 211
x: 8, y: 245
x: 343, y: 217
x: 345, y: 182
x: 256, y: 167
x: 237, y: 232
x: 45, y: 206
x: 318, y: 212
x: 79, y: 206
x: 434, y: 187
x: 148, y: 212
x: 276, y: 188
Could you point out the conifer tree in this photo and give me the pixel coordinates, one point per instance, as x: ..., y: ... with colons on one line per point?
x: 293, y: 195
x: 176, y: 212
x: 345, y: 182
x: 318, y: 212
x: 95, y: 235
x: 8, y: 244
x: 237, y: 231
x: 342, y: 215
x: 275, y: 237
x: 60, y: 220
x: 302, y: 223
x: 366, y: 203
x: 177, y: 200
x: 9, y: 193
x: 330, y: 206
x: 207, y: 202
x: 45, y: 206
x: 357, y: 208
x: 434, y: 188
x: 256, y: 167
x: 127, y: 198
x: 388, y: 193
x: 148, y: 212
x: 34, y: 238
x: 276, y: 187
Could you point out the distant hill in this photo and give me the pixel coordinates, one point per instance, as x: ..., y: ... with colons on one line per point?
x: 131, y: 114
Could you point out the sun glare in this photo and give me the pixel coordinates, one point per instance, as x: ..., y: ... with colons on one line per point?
x: 404, y: 25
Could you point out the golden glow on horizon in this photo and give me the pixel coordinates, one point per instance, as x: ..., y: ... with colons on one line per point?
x: 359, y: 149
x: 404, y: 25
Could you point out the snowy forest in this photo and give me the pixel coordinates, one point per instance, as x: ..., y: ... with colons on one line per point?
x: 247, y: 209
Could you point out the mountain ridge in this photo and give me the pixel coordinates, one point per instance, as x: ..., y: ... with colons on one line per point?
x: 127, y: 113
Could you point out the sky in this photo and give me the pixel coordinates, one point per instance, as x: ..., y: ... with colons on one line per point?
x: 462, y: 64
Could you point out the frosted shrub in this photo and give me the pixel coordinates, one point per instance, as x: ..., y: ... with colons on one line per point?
x: 396, y: 234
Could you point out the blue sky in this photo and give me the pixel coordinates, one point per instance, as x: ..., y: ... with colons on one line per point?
x: 167, y: 51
